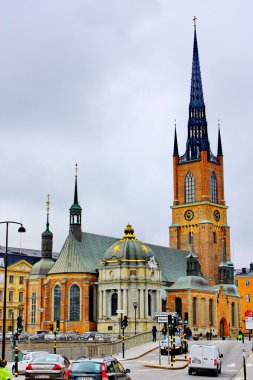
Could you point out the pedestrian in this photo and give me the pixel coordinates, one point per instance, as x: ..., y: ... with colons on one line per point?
x: 210, y: 335
x: 164, y: 331
x: 200, y: 336
x: 4, y: 373
x: 154, y: 331
x: 207, y: 335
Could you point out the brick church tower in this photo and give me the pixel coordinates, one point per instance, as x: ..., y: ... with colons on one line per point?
x: 199, y: 213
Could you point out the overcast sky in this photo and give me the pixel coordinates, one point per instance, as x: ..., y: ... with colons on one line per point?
x: 100, y: 83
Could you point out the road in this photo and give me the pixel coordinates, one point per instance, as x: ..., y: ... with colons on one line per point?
x: 232, y: 362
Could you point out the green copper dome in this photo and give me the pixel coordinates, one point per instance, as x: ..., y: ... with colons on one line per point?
x: 129, y: 251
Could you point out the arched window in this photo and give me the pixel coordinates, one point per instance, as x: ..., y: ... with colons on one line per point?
x: 33, y: 308
x: 189, y: 188
x: 203, y: 312
x: 114, y: 304
x: 91, y: 303
x: 233, y: 314
x: 57, y: 303
x: 74, y: 304
x: 191, y: 238
x: 211, y: 311
x: 149, y: 304
x: 213, y: 188
x: 194, y: 310
x: 178, y: 306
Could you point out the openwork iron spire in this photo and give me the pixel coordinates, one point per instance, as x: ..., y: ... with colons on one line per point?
x: 76, y: 195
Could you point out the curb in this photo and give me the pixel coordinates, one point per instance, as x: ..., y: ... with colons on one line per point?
x: 165, y: 366
x: 139, y: 356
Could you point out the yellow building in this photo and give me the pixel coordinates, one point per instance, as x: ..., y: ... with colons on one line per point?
x: 244, y: 282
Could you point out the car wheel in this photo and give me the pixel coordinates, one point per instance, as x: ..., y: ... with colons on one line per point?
x: 219, y: 369
x: 189, y: 371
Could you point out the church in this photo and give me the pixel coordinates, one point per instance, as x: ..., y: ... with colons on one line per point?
x: 98, y: 279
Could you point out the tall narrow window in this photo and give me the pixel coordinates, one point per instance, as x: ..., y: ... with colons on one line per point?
x: 211, y: 312
x: 178, y: 306
x: 57, y: 303
x: 194, y: 310
x: 33, y: 308
x: 74, y: 306
x: 149, y: 304
x: 114, y: 304
x: 213, y: 188
x: 189, y: 188
x: 233, y: 314
x: 91, y: 303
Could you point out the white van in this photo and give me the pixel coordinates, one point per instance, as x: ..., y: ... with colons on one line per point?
x: 204, y: 358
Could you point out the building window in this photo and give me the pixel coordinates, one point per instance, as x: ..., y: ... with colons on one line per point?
x: 189, y: 188
x: 11, y: 279
x: 233, y: 314
x: 178, y: 306
x: 114, y: 304
x: 213, y: 188
x: 74, y: 306
x: 10, y: 314
x: 21, y: 279
x: 149, y: 304
x: 236, y: 282
x: 191, y: 238
x: 21, y: 313
x: 194, y: 310
x: 211, y: 312
x: 247, y: 282
x: 91, y: 303
x: 57, y: 303
x: 33, y: 308
x: 214, y: 237
x: 1, y: 295
x: 11, y: 296
x: 248, y: 297
x: 1, y: 313
x: 21, y: 296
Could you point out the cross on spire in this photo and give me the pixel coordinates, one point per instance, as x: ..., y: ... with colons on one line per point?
x: 194, y: 21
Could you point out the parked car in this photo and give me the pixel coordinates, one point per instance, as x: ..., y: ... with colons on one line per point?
x: 23, y: 336
x: 90, y: 335
x: 51, y: 336
x: 70, y: 335
x: 47, y: 366
x: 102, y: 337
x: 168, y: 348
x: 204, y: 358
x: 27, y: 357
x: 97, y: 369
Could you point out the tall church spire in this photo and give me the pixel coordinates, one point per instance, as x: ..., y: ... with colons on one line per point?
x: 197, y: 124
x: 175, y: 151
x: 47, y: 237
x: 75, y: 224
x: 219, y: 150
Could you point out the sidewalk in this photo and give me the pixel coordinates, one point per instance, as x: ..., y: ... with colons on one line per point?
x: 249, y: 369
x: 143, y: 349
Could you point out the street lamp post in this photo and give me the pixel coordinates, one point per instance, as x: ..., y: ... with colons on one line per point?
x: 135, y: 305
x: 21, y: 229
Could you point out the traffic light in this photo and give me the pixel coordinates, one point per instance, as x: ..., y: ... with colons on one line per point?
x: 19, y: 325
x: 57, y: 325
x: 122, y: 323
x: 175, y: 321
x: 126, y: 320
x: 169, y: 321
x: 186, y: 321
x: 51, y: 327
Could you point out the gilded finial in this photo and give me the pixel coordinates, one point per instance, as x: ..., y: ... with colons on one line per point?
x: 129, y: 233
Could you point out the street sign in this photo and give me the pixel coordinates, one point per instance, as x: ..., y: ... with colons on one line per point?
x: 161, y: 313
x: 120, y: 311
x: 249, y: 323
x: 162, y: 319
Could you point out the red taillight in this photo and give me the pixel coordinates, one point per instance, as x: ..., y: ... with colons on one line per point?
x: 104, y: 374
x: 29, y: 367
x: 56, y: 367
x: 189, y: 360
x: 215, y: 362
x: 66, y: 374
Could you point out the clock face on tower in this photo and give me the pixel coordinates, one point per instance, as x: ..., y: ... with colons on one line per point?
x: 189, y: 214
x: 216, y: 215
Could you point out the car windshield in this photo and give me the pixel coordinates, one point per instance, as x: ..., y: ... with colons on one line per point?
x: 86, y: 367
x: 46, y: 358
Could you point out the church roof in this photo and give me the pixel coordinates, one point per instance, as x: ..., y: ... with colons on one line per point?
x: 192, y: 283
x: 85, y: 256
x: 41, y: 268
x: 230, y: 289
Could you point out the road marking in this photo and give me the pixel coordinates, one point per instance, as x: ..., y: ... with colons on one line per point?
x: 231, y: 365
